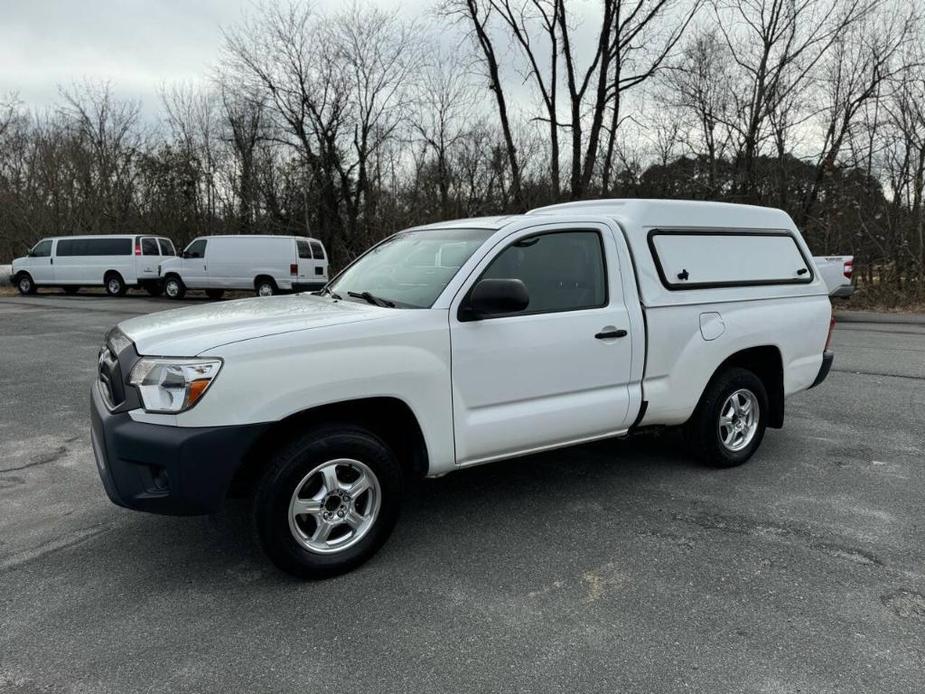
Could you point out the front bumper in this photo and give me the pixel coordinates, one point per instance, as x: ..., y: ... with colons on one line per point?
x: 166, y: 469
x: 824, y: 368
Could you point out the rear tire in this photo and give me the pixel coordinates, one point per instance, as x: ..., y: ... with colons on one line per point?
x: 215, y: 293
x: 115, y: 285
x: 729, y: 423
x: 343, y: 527
x: 265, y: 286
x: 25, y: 284
x: 174, y: 287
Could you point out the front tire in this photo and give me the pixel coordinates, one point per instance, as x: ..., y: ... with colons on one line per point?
x: 25, y: 284
x: 328, y: 501
x: 174, y: 287
x: 730, y: 420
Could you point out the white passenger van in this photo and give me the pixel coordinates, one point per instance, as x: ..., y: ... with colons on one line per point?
x: 113, y: 261
x: 459, y: 344
x: 265, y: 264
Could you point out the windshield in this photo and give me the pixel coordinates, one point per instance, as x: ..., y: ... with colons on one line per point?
x: 411, y: 268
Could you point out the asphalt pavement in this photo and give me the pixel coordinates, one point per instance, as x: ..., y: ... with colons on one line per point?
x: 618, y: 566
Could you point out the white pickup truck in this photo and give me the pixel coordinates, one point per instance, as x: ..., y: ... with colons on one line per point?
x: 836, y: 272
x: 458, y: 344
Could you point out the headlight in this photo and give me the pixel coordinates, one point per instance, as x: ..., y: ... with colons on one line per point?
x: 173, y: 385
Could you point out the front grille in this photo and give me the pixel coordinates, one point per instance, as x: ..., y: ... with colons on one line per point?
x: 110, y: 377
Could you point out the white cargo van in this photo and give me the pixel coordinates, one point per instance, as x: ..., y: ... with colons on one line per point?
x: 266, y: 264
x: 458, y: 344
x: 115, y: 262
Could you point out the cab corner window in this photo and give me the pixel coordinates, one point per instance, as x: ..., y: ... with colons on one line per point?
x: 562, y: 271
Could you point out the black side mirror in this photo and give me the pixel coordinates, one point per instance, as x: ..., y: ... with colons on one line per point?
x: 490, y: 297
x: 186, y: 254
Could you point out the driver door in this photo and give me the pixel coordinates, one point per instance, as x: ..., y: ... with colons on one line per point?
x: 41, y: 262
x: 557, y: 372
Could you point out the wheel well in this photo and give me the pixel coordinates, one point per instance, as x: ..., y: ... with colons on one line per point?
x: 19, y: 274
x: 766, y: 363
x: 172, y: 274
x: 110, y: 273
x: 263, y: 277
x: 388, y: 418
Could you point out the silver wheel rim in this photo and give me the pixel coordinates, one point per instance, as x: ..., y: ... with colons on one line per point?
x: 25, y: 285
x: 113, y: 286
x: 334, y: 506
x: 172, y: 289
x: 738, y: 420
x: 265, y: 290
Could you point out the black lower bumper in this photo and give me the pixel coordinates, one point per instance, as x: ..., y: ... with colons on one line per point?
x: 827, y: 359
x: 166, y: 469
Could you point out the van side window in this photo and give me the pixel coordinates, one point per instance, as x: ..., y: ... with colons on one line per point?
x: 42, y: 249
x: 166, y: 247
x: 118, y: 246
x: 197, y: 249
x: 149, y: 246
x: 304, y: 250
x: 68, y: 247
x: 563, y: 271
x: 317, y: 250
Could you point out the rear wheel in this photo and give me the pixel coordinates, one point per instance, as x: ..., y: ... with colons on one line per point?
x: 328, y: 501
x: 215, y: 293
x: 265, y: 286
x: 174, y: 287
x: 730, y: 421
x: 115, y: 285
x: 25, y: 284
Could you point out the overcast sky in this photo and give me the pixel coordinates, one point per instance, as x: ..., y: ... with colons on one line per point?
x: 138, y: 45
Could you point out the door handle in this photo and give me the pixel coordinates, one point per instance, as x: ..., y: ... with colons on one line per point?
x: 610, y: 334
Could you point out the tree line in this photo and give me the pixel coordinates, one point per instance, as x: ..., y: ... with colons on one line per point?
x: 350, y: 123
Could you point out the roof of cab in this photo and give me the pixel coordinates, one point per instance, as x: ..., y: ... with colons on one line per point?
x: 647, y: 213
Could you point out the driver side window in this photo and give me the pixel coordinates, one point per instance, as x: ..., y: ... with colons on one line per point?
x: 562, y: 271
x: 42, y: 249
x: 197, y: 249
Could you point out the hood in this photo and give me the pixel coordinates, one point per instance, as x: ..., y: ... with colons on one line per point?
x: 187, y: 332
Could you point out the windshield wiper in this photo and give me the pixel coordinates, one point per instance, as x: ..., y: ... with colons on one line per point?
x: 327, y: 290
x: 372, y: 299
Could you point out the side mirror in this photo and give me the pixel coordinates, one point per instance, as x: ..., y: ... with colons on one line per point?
x: 490, y: 297
x: 30, y: 254
x: 185, y: 254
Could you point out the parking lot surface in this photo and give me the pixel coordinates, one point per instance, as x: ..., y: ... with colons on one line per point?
x: 617, y: 566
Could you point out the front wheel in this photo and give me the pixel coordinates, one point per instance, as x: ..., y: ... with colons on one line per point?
x: 328, y: 501
x: 25, y: 284
x: 265, y: 286
x: 729, y: 423
x: 174, y: 288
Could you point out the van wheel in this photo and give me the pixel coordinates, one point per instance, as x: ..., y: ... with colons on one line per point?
x: 24, y: 284
x: 265, y: 286
x: 174, y: 287
x: 115, y: 285
x: 729, y: 423
x: 215, y: 293
x: 71, y: 290
x: 328, y: 501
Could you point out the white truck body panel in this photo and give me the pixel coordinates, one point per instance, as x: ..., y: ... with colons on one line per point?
x: 489, y: 389
x: 836, y: 272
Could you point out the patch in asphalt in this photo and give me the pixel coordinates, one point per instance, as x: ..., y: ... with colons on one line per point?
x: 906, y: 604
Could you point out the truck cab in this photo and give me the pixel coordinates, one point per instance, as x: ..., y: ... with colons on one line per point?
x: 458, y: 344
